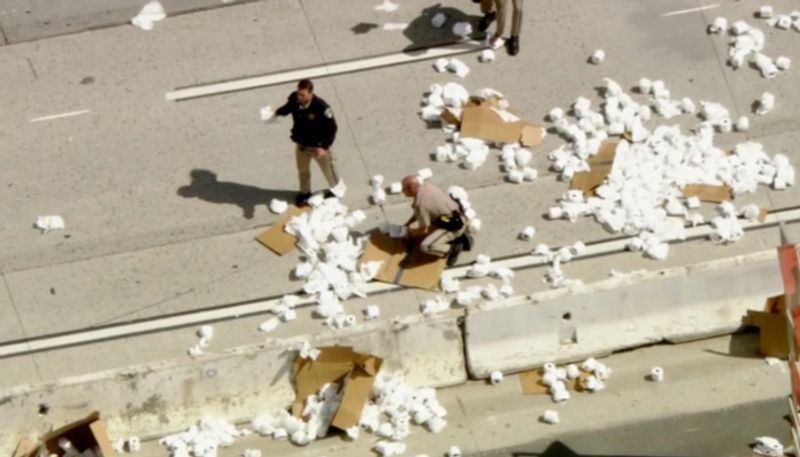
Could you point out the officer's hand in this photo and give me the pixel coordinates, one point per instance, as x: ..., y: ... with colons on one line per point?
x: 320, y: 152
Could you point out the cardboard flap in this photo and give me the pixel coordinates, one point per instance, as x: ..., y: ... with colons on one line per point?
x: 707, y: 192
x: 25, y: 448
x: 423, y: 271
x: 776, y: 304
x: 357, y: 389
x: 354, y: 371
x: 275, y: 237
x: 480, y: 120
x: 100, y: 433
x: 600, y: 166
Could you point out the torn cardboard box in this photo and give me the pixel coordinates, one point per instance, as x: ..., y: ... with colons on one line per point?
x: 599, y: 168
x: 275, y: 237
x: 355, y: 373
x: 423, y: 271
x: 85, y: 434
x: 773, y: 340
x: 493, y: 120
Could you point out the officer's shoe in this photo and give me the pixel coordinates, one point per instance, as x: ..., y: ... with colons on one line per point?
x: 513, y: 45
x: 302, y: 199
x: 455, y: 251
x: 486, y: 20
x: 466, y: 241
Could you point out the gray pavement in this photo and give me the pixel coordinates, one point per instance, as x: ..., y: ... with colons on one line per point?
x: 142, y: 240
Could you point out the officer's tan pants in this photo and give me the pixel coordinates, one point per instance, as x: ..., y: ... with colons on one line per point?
x: 437, y: 243
x: 501, y: 7
x: 303, y: 156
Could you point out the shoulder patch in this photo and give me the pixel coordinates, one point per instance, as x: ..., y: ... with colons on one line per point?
x: 329, y: 113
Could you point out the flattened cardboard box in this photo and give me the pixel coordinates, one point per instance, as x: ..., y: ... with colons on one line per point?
x: 600, y: 166
x: 356, y: 372
x: 772, y: 337
x: 708, y: 192
x: 84, y: 434
x: 423, y: 271
x: 480, y: 120
x: 275, y: 237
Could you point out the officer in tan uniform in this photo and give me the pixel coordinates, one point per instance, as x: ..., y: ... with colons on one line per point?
x: 440, y: 221
x: 313, y: 132
x: 498, y: 9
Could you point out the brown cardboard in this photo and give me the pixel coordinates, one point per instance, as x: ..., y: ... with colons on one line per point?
x: 599, y: 167
x: 772, y: 339
x: 354, y: 371
x: 762, y: 215
x: 25, y: 448
x: 275, y: 238
x: 450, y: 117
x: 707, y: 192
x: 423, y: 271
x: 84, y: 434
x: 531, y: 382
x: 771, y: 322
x: 479, y: 120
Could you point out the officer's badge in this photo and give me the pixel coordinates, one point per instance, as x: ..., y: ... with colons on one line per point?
x: 329, y: 113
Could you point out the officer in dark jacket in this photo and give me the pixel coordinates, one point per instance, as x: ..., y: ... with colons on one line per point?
x: 313, y: 133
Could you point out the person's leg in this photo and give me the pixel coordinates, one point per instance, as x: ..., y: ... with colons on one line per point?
x: 437, y: 243
x: 328, y: 170
x: 516, y: 17
x: 303, y: 161
x: 516, y: 25
x: 489, y: 13
x: 501, y: 7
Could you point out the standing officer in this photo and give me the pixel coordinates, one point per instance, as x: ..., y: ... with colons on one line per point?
x: 440, y: 221
x: 492, y: 9
x: 313, y: 132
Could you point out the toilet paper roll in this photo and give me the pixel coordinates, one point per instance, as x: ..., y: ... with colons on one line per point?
x: 657, y: 374
x: 549, y: 367
x: 550, y: 416
x: 496, y: 377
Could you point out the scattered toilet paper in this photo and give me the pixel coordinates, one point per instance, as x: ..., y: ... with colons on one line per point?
x: 151, y: 13
x: 47, y: 223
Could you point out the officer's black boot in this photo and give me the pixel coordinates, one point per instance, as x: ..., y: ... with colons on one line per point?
x: 455, y: 251
x: 486, y: 20
x: 513, y: 46
x: 301, y: 199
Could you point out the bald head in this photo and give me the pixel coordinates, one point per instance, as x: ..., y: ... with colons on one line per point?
x: 410, y: 186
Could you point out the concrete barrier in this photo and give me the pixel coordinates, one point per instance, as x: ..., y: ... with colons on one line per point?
x: 675, y: 305
x: 165, y: 397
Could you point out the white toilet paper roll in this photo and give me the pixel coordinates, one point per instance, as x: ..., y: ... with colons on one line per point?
x: 549, y: 367
x: 496, y: 377
x: 657, y: 374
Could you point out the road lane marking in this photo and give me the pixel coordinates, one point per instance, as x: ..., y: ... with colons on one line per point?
x: 60, y: 116
x: 690, y: 10
x: 332, y: 69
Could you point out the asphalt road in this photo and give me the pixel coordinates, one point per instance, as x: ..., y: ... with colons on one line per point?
x: 728, y: 432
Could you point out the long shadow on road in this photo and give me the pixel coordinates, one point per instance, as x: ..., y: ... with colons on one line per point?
x: 206, y: 187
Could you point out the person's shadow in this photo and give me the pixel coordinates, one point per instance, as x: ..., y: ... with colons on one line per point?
x: 205, y: 186
x: 423, y: 35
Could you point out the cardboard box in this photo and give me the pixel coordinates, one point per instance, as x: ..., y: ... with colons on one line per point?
x: 600, y: 166
x: 355, y: 372
x: 87, y: 433
x: 275, y: 237
x: 773, y: 336
x: 423, y: 271
x: 480, y: 119
x: 707, y: 192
